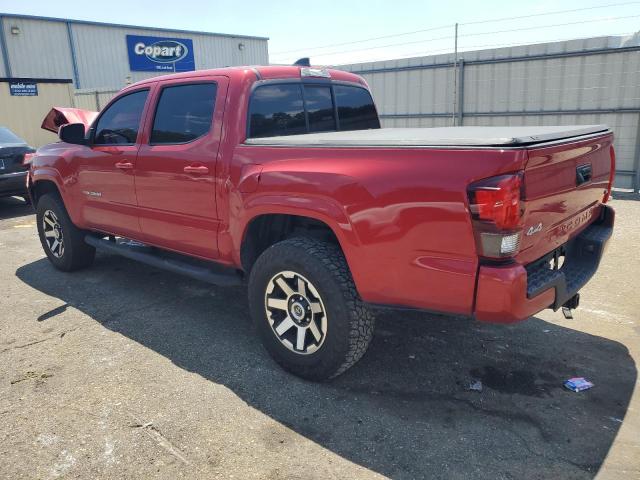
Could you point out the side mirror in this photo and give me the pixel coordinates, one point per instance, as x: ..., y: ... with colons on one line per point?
x: 73, y: 133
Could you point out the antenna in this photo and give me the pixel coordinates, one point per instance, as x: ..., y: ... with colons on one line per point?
x: 303, y: 62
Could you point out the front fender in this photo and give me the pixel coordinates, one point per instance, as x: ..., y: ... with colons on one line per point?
x: 47, y: 173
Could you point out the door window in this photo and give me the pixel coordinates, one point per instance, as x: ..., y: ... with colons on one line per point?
x: 184, y: 113
x: 356, y: 109
x: 120, y: 122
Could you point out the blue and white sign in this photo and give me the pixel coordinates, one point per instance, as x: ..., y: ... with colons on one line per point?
x: 159, y: 54
x: 23, y: 89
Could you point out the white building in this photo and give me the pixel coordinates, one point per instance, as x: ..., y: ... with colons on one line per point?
x: 108, y: 56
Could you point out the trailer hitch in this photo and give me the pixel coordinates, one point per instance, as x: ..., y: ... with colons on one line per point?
x: 570, y: 305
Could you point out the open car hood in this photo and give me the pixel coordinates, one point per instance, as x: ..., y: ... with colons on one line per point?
x: 59, y: 116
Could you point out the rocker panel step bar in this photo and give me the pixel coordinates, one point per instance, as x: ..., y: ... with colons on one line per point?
x: 221, y: 278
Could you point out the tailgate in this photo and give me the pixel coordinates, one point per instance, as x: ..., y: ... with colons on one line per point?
x: 564, y: 185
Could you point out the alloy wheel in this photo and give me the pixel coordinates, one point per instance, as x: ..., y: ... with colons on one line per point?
x: 295, y: 312
x: 53, y: 233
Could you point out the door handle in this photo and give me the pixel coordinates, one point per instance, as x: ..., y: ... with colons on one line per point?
x: 124, y: 165
x: 193, y: 169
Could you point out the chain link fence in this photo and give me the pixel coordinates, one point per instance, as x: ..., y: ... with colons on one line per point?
x: 93, y: 100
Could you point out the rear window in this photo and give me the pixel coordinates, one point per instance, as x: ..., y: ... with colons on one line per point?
x: 7, y: 136
x: 184, y: 113
x: 317, y: 99
x: 292, y: 109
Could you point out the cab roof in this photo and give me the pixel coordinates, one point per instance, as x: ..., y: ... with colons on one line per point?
x: 269, y: 72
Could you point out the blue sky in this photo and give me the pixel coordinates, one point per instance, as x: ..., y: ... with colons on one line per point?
x: 296, y: 28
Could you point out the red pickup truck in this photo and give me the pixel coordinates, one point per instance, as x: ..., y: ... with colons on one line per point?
x: 281, y: 177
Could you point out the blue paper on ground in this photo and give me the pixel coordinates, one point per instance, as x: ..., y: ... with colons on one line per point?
x: 578, y: 384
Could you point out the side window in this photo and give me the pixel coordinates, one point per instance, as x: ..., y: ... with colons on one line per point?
x: 356, y: 109
x: 184, y: 113
x: 319, y: 105
x: 119, y: 124
x: 277, y: 110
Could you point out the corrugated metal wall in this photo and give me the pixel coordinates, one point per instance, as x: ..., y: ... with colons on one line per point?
x: 558, y: 83
x: 44, y: 48
x: 41, y: 49
x: 100, y: 67
x: 24, y: 115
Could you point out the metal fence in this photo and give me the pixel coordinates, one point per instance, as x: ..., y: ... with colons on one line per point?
x: 589, y: 81
x: 94, y: 100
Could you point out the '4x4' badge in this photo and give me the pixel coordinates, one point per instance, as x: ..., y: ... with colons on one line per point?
x: 534, y: 229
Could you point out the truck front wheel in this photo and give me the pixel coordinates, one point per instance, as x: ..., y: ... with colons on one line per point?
x: 61, y: 240
x: 307, y: 310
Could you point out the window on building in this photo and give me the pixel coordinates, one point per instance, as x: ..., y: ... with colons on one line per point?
x: 184, y: 113
x: 120, y: 122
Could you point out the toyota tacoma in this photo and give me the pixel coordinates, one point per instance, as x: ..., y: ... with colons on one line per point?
x: 280, y: 178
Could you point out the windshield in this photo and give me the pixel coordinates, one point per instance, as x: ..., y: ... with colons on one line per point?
x: 7, y: 136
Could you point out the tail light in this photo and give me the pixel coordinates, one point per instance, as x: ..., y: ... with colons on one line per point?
x: 28, y: 157
x: 612, y: 175
x: 496, y: 211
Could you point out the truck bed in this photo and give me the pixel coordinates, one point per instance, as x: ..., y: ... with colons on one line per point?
x: 434, y: 137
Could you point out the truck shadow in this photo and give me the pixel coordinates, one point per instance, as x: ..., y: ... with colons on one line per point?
x: 405, y: 410
x: 12, y: 207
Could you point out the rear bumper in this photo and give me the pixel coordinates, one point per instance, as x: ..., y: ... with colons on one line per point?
x: 14, y: 183
x: 516, y: 292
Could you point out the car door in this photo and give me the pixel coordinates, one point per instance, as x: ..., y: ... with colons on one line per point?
x: 105, y: 181
x: 176, y: 165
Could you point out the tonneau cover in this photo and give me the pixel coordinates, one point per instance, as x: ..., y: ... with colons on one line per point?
x: 441, y: 136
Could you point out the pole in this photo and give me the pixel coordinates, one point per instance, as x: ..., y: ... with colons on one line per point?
x: 455, y: 78
x: 636, y: 162
x: 74, y: 57
x: 4, y: 50
x: 460, y: 99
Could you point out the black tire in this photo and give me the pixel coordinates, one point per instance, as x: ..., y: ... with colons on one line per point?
x: 76, y: 254
x: 349, y: 323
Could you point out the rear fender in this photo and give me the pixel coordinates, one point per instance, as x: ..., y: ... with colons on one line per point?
x: 323, y: 209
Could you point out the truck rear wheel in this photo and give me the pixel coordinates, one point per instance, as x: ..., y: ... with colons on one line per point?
x: 61, y: 240
x: 307, y: 310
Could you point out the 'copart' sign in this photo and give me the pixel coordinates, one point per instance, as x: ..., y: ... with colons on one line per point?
x: 156, y: 54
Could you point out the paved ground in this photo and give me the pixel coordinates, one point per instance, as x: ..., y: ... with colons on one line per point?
x: 124, y: 371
